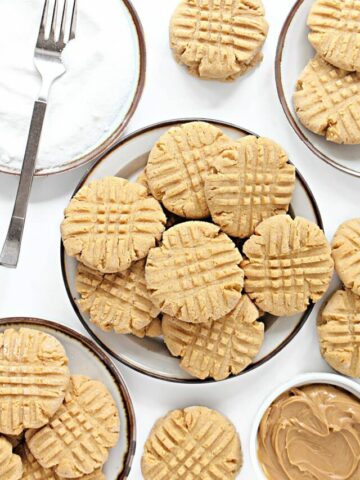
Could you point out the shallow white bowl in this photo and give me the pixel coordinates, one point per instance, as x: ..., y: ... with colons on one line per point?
x: 305, y: 379
x: 293, y: 53
x: 150, y: 355
x: 85, y: 358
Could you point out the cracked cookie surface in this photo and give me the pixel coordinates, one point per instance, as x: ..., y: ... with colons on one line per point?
x: 111, y: 223
x: 339, y: 332
x: 195, y: 275
x: 335, y: 32
x: 327, y: 101
x: 192, y: 443
x: 218, y: 39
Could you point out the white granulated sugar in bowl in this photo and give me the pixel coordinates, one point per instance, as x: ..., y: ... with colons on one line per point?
x: 88, y: 102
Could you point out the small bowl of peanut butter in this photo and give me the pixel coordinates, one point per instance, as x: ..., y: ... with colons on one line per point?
x: 309, y: 429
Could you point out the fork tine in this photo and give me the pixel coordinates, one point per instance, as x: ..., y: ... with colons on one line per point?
x: 44, y: 18
x: 73, y: 21
x: 53, y: 21
x: 63, y: 22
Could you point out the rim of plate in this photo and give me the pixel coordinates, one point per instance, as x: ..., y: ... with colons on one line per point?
x: 134, y: 366
x: 113, y: 371
x: 281, y: 94
x: 114, y: 136
x: 312, y: 378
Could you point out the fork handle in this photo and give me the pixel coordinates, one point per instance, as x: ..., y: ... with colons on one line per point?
x: 11, y: 250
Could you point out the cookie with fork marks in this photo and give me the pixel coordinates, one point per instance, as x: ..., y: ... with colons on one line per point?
x: 196, y: 442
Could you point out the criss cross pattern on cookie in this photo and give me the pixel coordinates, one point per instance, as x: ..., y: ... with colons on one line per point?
x: 218, y: 38
x: 178, y: 164
x: 339, y: 332
x: 33, y: 379
x: 226, y: 346
x: 335, y: 32
x: 110, y: 223
x: 288, y: 264
x: 193, y: 443
x: 77, y: 439
x: 32, y: 470
x: 194, y: 276
x: 119, y: 302
x: 327, y: 101
x: 249, y: 183
x: 346, y: 254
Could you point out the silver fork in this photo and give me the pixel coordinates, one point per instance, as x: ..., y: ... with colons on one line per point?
x: 47, y: 60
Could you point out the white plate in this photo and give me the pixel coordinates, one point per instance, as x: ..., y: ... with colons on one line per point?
x: 150, y: 356
x: 293, y: 53
x: 85, y: 358
x: 129, y: 50
x: 305, y: 379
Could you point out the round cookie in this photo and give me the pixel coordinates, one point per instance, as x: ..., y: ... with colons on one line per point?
x: 335, y: 32
x: 192, y: 443
x: 34, y: 377
x: 195, y: 275
x: 10, y: 464
x: 118, y: 301
x: 178, y: 164
x: 32, y: 470
x: 77, y: 439
x: 339, y: 332
x: 327, y: 102
x: 111, y: 223
x: 288, y: 265
x: 218, y: 39
x: 248, y: 183
x: 220, y: 348
x: 346, y: 254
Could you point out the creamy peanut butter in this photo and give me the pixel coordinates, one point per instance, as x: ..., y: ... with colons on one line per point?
x: 311, y: 433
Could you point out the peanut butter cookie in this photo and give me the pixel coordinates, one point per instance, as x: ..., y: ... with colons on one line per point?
x: 79, y: 435
x: 195, y: 275
x: 32, y: 470
x: 194, y: 443
x: 248, y: 183
x: 346, y: 254
x: 34, y: 377
x: 111, y: 223
x: 178, y: 164
x: 327, y: 102
x: 218, y: 39
x: 339, y: 332
x: 220, y: 348
x: 118, y: 301
x: 288, y: 265
x: 10, y: 464
x: 335, y: 32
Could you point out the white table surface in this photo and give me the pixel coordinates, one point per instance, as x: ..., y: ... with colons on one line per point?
x: 36, y: 288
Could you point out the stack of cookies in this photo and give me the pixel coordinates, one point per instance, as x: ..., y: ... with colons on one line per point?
x: 201, y: 242
x: 339, y: 320
x: 53, y: 426
x: 327, y: 97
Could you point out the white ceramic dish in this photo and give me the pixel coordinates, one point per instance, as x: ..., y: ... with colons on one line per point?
x: 111, y: 116
x: 85, y: 358
x: 305, y: 379
x: 293, y: 53
x: 150, y: 356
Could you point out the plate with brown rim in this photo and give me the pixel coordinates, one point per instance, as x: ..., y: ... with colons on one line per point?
x: 150, y: 355
x: 86, y: 358
x: 293, y: 53
x: 127, y: 85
